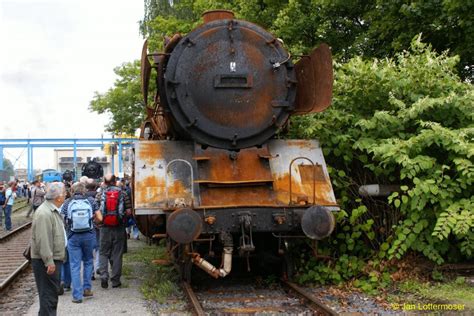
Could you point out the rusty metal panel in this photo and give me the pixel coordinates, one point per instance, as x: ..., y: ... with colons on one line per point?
x: 152, y: 159
x: 315, y: 80
x: 284, y: 151
x: 224, y: 167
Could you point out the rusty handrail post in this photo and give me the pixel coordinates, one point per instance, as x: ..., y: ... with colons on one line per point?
x: 314, y: 178
x: 166, y: 178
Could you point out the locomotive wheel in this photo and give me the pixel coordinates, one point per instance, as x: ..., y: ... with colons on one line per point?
x: 181, y: 260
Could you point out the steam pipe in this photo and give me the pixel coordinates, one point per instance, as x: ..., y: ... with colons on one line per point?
x: 212, y: 270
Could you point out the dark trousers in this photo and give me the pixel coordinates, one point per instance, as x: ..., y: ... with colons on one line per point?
x: 32, y: 210
x: 48, y: 286
x: 8, y: 218
x: 112, y: 242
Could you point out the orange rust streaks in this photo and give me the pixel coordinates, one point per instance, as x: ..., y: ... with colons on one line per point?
x: 150, y: 152
x: 237, y: 196
x: 301, y: 143
x: 301, y: 191
x: 150, y: 192
x: 247, y: 167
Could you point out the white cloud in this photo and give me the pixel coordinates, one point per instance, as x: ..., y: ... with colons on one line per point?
x: 54, y: 55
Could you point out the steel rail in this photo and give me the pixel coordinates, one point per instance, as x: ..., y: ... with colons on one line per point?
x: 309, y: 297
x: 13, y: 275
x: 193, y: 299
x: 15, y: 231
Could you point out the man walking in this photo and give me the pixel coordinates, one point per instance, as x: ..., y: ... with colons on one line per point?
x: 37, y: 197
x: 2, y: 201
x: 91, y: 191
x: 10, y: 196
x: 115, y: 206
x: 79, y: 212
x: 48, y: 243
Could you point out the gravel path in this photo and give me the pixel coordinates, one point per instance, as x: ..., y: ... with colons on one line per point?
x: 126, y: 300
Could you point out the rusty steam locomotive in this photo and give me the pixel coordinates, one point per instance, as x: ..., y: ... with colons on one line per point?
x: 209, y: 174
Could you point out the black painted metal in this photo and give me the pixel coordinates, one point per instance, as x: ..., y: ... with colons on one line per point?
x: 263, y: 220
x: 317, y: 222
x: 229, y: 84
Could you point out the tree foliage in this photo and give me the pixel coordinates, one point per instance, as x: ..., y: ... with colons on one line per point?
x: 8, y: 167
x: 409, y: 121
x: 374, y: 28
x: 124, y: 101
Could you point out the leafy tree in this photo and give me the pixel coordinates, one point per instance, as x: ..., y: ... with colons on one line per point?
x: 8, y: 167
x: 409, y: 121
x: 374, y: 28
x: 124, y: 101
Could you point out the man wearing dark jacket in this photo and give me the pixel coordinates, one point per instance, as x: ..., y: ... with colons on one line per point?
x: 115, y: 207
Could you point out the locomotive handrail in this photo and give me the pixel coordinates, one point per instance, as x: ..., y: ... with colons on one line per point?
x: 314, y: 178
x: 166, y: 178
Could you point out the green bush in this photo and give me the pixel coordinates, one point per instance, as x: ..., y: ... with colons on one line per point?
x: 407, y: 121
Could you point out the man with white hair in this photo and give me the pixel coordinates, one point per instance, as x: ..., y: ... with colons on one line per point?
x: 48, y: 244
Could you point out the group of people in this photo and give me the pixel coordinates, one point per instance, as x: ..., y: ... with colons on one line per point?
x: 12, y: 190
x: 67, y: 228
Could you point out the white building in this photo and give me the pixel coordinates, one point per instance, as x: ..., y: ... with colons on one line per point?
x: 64, y: 160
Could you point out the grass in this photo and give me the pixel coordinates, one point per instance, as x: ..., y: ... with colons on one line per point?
x: 452, y: 292
x: 159, y: 282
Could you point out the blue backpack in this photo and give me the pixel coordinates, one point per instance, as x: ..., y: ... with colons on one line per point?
x: 79, y: 215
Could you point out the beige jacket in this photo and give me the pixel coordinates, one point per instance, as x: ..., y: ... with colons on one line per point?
x: 37, y: 196
x: 47, y: 237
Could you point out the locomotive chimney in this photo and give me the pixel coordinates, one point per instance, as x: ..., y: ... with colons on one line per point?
x: 214, y: 15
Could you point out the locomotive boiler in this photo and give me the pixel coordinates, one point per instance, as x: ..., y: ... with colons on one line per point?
x: 210, y: 174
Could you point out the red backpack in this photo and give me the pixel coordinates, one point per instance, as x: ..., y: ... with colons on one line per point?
x: 112, y: 207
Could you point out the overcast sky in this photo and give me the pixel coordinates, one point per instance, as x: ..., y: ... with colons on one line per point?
x: 54, y: 54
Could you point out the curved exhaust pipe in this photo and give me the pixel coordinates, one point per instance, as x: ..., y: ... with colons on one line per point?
x: 211, y: 269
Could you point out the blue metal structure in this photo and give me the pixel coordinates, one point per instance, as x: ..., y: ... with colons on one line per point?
x: 50, y: 175
x: 31, y: 143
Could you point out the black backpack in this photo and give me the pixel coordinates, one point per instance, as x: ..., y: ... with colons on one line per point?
x: 2, y: 197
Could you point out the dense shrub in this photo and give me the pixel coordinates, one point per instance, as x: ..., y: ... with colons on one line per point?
x: 405, y: 121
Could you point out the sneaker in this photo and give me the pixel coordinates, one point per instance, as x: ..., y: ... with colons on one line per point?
x: 117, y: 285
x: 93, y: 277
x: 104, y: 284
x: 61, y: 289
x: 88, y: 292
x: 67, y: 288
x: 76, y: 301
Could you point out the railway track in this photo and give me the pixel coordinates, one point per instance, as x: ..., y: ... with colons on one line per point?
x: 248, y: 298
x: 12, y: 262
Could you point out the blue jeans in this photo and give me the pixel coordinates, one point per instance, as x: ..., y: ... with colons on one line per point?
x: 96, y: 249
x: 8, y: 218
x: 66, y: 273
x: 134, y: 230
x: 80, y: 247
